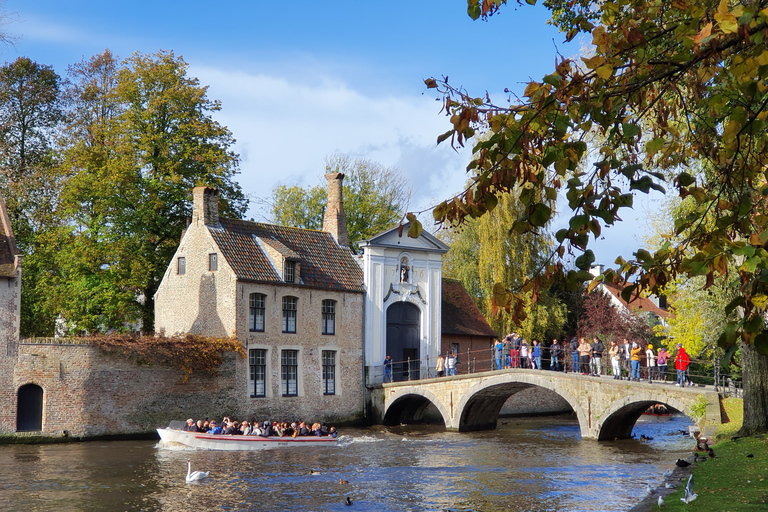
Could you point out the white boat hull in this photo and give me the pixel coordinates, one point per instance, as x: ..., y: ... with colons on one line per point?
x: 238, y: 443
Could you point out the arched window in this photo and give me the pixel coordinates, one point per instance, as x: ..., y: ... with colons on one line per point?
x: 29, y: 412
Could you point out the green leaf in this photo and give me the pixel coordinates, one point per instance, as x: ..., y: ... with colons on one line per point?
x: 586, y: 260
x: 684, y: 179
x: 738, y: 301
x: 761, y: 343
x: 540, y: 215
x: 754, y: 324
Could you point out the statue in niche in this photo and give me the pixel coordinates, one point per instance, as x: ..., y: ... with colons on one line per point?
x: 404, y: 270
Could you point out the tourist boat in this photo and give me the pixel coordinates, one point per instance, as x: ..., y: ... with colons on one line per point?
x: 657, y: 410
x: 238, y: 443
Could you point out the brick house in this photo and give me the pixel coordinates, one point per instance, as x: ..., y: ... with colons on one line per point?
x: 293, y: 297
x: 465, y: 331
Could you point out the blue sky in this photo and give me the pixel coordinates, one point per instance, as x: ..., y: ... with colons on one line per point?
x: 301, y: 80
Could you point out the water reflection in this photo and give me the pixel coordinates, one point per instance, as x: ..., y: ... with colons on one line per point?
x: 526, y: 464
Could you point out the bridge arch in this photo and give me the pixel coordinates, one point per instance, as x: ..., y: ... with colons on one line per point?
x: 619, y: 419
x: 407, y: 405
x: 479, y: 406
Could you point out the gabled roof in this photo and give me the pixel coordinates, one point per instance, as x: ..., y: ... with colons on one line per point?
x: 392, y: 238
x: 460, y: 314
x: 324, y: 264
x: 642, y: 304
x: 8, y: 250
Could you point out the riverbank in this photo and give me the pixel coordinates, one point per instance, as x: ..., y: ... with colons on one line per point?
x: 735, y: 479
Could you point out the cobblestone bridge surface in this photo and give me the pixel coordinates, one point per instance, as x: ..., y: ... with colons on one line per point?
x: 607, y: 409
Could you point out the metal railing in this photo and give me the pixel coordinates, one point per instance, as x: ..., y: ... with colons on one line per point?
x: 700, y: 372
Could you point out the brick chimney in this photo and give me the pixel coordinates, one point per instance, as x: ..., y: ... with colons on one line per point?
x: 205, y: 207
x: 335, y: 221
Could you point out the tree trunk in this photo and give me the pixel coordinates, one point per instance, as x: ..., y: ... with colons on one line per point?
x: 755, y: 376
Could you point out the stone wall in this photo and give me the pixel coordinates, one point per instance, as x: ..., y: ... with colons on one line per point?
x: 89, y: 393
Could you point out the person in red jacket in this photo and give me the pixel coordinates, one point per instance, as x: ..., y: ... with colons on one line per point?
x: 681, y: 364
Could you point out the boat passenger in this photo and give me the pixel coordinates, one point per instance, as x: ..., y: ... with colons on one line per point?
x: 303, y: 430
x: 332, y: 432
x: 289, y: 429
x: 233, y: 429
x: 245, y: 428
x: 190, y: 426
x: 215, y: 429
x: 200, y: 426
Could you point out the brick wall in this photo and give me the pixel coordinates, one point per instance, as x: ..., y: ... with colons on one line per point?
x: 90, y: 393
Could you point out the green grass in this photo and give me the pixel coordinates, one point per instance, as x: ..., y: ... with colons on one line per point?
x: 731, y: 481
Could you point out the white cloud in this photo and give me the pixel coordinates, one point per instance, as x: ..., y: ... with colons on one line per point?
x: 33, y: 28
x: 285, y: 129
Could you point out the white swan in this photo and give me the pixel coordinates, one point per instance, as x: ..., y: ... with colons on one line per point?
x: 193, y: 476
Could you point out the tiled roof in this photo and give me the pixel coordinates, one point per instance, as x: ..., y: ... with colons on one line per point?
x: 460, y: 314
x: 642, y: 304
x: 323, y: 263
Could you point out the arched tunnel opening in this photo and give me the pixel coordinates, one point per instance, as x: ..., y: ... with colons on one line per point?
x: 413, y: 409
x: 485, y: 407
x: 620, y: 424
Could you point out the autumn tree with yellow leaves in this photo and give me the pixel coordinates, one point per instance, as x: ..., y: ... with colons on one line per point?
x: 676, y: 94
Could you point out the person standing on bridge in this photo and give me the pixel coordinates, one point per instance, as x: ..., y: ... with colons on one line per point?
x: 387, y: 369
x: 554, y: 356
x: 440, y: 366
x: 536, y: 355
x: 497, y: 353
x: 661, y: 364
x: 574, y: 347
x: 506, y: 351
x: 450, y: 363
x: 635, y: 360
x: 516, y: 344
x: 597, y: 356
x: 681, y: 365
x: 626, y: 356
x: 650, y: 361
x: 613, y: 354
x: 584, y: 350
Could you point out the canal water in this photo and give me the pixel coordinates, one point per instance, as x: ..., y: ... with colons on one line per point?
x: 526, y: 464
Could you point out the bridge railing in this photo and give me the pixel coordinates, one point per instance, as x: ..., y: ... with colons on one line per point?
x: 700, y: 372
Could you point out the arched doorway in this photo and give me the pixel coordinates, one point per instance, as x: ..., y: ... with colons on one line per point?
x: 29, y: 410
x: 403, y: 328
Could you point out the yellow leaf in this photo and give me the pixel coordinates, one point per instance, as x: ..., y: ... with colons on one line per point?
x: 727, y: 22
x: 703, y: 34
x: 531, y: 89
x: 762, y: 59
x: 731, y: 129
x: 593, y: 62
x: 604, y: 72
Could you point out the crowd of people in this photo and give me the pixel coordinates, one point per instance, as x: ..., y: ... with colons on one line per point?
x: 628, y: 360
x: 264, y: 429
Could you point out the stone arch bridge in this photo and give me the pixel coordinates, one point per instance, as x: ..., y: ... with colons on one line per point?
x: 607, y: 409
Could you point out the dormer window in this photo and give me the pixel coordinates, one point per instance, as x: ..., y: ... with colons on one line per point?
x: 290, y: 271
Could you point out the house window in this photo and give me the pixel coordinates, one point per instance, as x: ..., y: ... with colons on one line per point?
x: 289, y: 314
x: 257, y: 312
x: 290, y: 271
x: 257, y: 359
x: 329, y: 317
x: 181, y: 265
x: 289, y: 371
x: 329, y: 372
x: 213, y: 262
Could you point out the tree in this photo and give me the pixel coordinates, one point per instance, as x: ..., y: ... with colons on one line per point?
x: 375, y: 199
x: 30, y: 115
x: 143, y: 139
x: 676, y: 90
